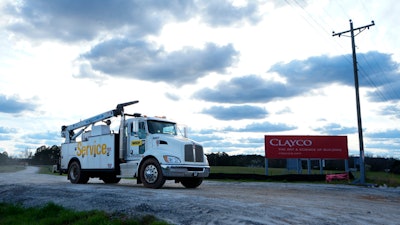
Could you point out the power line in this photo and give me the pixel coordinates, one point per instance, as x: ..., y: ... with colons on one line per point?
x: 319, y: 24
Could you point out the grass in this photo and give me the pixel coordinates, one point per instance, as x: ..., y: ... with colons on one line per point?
x: 11, y: 168
x: 52, y: 214
x: 378, y: 178
x: 383, y: 178
x: 47, y: 169
x: 237, y: 170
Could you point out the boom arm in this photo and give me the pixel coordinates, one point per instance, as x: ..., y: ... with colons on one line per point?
x: 68, y: 131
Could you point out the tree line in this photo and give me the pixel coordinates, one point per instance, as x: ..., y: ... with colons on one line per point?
x: 45, y: 155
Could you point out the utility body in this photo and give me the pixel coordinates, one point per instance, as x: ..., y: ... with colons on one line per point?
x: 149, y: 149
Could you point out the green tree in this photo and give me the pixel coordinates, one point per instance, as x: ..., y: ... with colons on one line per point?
x: 46, y: 156
x: 4, y: 158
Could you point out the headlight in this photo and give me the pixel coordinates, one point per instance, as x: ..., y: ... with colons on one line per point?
x: 171, y: 159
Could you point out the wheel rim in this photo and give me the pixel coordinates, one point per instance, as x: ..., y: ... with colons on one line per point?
x: 150, y: 174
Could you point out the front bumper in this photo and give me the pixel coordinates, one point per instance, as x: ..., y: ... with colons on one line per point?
x: 173, y: 171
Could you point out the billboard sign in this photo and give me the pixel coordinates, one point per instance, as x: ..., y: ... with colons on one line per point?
x: 309, y: 147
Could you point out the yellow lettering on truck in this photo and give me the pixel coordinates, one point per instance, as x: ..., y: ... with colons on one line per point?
x: 92, y: 149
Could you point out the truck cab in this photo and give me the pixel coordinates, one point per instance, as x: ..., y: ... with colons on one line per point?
x: 157, y: 150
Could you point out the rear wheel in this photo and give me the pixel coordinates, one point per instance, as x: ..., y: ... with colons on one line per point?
x: 75, y: 174
x: 151, y: 175
x: 191, y: 182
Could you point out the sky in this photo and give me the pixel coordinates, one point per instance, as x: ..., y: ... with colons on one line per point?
x: 232, y: 71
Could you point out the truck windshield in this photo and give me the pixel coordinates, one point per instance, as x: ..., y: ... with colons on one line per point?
x: 161, y: 127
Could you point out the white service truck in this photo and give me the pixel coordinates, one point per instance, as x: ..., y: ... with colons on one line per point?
x: 150, y: 149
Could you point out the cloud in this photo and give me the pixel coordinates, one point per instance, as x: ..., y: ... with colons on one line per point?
x: 236, y: 112
x: 391, y: 110
x: 303, y: 76
x: 43, y: 136
x: 388, y: 134
x: 172, y: 96
x: 223, y: 13
x: 85, y: 20
x: 376, y: 70
x: 72, y: 21
x: 4, y: 137
x: 246, y: 89
x: 6, y: 130
x: 265, y: 127
x: 336, y: 129
x: 15, y: 105
x: 145, y: 61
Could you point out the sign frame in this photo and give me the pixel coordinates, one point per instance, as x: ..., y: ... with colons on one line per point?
x: 306, y: 147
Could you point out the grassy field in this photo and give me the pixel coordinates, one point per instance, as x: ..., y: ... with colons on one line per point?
x: 378, y: 178
x: 11, y: 168
x: 51, y: 214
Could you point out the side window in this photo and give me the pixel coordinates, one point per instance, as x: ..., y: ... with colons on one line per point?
x: 142, y: 131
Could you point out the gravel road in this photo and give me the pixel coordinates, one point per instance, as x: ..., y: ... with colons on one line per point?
x: 213, y: 202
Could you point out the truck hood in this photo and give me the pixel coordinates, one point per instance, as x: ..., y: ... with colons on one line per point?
x: 171, y: 140
x: 185, y: 149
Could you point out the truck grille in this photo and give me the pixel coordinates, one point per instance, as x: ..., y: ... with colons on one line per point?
x: 194, y: 153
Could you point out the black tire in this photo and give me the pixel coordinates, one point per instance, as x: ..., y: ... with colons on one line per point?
x: 191, y: 182
x: 151, y: 174
x: 112, y: 179
x: 75, y: 174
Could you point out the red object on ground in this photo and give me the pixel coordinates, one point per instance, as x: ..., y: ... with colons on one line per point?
x: 339, y: 176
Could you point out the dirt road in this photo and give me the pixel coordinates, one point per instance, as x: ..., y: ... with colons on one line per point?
x: 213, y: 202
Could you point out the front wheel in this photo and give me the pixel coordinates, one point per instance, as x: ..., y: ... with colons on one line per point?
x: 151, y: 175
x: 192, y: 182
x: 75, y: 174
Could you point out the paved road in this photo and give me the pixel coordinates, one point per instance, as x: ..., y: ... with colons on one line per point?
x: 213, y: 202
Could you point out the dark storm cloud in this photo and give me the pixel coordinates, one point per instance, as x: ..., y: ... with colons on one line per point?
x: 236, y: 112
x: 15, y: 105
x: 145, y: 61
x: 377, y: 70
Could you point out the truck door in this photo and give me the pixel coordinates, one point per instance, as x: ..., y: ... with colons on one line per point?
x: 137, y: 140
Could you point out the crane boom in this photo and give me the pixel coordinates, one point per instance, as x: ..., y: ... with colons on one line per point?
x: 68, y: 131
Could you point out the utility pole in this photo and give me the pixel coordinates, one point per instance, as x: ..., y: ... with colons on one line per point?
x: 360, y: 132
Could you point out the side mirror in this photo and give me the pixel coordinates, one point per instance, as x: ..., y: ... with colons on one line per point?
x: 185, y: 131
